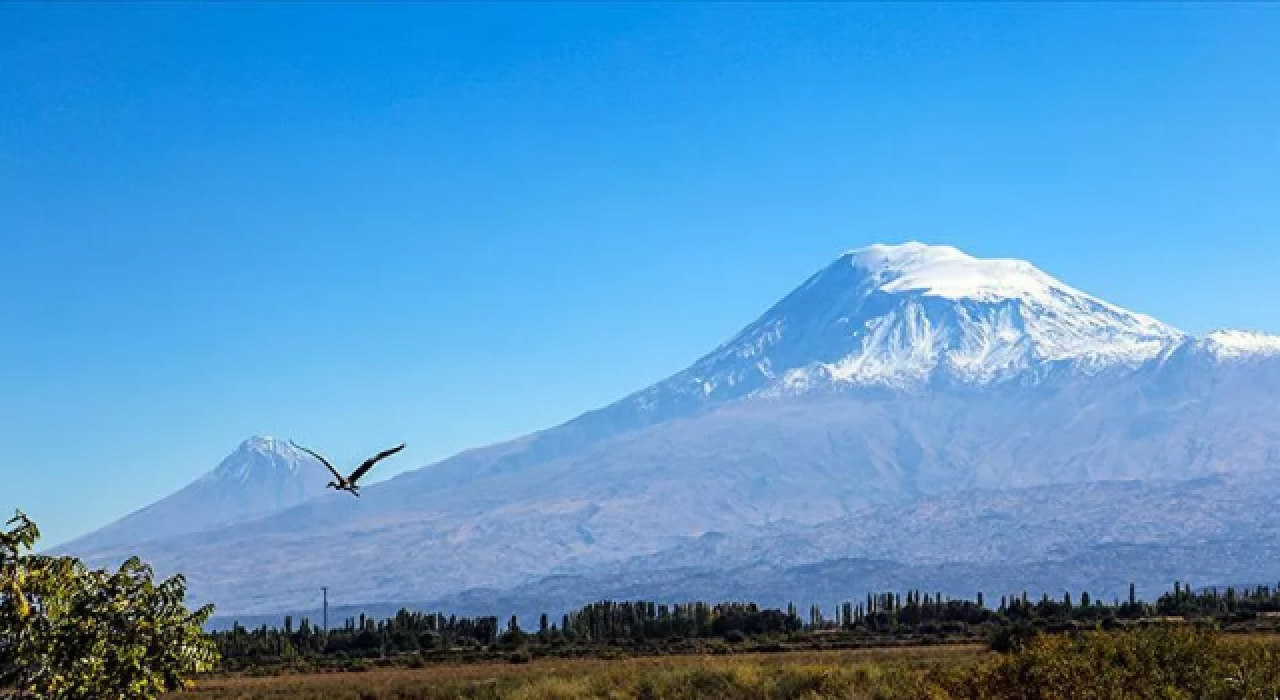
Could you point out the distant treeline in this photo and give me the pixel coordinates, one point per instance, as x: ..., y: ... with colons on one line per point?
x: 880, y: 618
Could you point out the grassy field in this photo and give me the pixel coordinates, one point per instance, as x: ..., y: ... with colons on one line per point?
x: 1158, y: 663
x: 872, y: 673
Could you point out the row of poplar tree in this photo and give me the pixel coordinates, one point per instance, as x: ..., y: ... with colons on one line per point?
x: 912, y: 613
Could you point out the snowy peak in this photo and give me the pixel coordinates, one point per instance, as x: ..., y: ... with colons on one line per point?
x: 261, y: 457
x: 944, y: 271
x: 909, y: 315
x: 266, y: 444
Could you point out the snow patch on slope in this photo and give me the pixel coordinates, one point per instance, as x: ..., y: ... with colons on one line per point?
x: 1231, y: 345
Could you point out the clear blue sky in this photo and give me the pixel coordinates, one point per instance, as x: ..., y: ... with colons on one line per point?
x: 452, y: 225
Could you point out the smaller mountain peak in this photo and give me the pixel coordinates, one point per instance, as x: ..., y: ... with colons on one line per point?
x: 260, y: 454
x: 264, y: 474
x: 265, y: 443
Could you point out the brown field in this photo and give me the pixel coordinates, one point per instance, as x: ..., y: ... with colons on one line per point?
x: 848, y: 673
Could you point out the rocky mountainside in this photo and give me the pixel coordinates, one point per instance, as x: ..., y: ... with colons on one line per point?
x: 896, y: 374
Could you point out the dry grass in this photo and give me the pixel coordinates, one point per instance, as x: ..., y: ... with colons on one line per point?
x: 870, y: 673
x: 1154, y: 663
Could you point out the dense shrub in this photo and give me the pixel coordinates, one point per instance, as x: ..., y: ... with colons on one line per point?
x: 69, y: 632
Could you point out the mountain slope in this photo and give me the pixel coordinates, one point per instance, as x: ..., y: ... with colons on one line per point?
x: 263, y: 475
x: 802, y: 459
x: 1097, y: 537
x: 895, y: 374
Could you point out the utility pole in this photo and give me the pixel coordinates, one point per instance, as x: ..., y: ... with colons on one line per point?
x: 325, y: 589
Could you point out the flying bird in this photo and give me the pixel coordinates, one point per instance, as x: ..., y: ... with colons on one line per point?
x: 348, y: 483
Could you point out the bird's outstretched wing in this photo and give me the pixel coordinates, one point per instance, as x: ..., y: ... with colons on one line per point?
x: 368, y: 463
x: 319, y: 457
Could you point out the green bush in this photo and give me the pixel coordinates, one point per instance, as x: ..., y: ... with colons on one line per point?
x: 70, y: 632
x: 1010, y: 638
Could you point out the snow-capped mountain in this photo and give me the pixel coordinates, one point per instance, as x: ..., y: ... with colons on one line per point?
x: 267, y: 461
x: 908, y: 315
x: 895, y: 374
x: 261, y: 476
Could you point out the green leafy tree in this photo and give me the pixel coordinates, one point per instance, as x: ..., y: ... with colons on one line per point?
x: 71, y: 633
x: 28, y: 584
